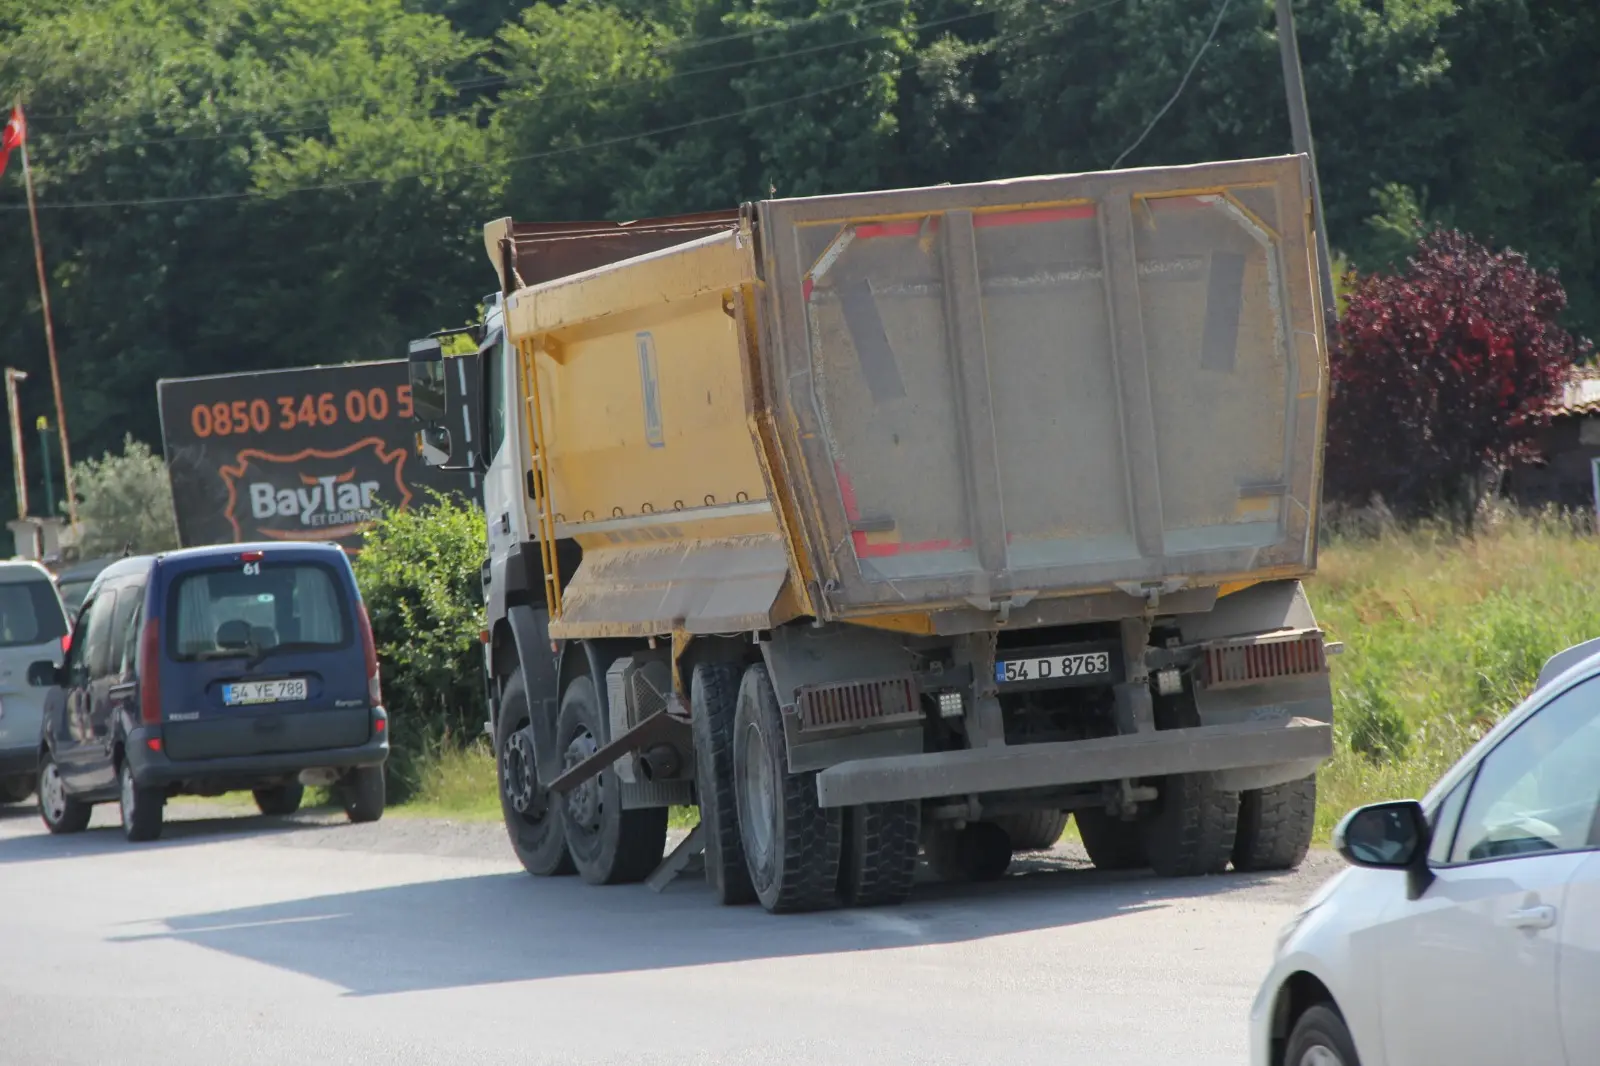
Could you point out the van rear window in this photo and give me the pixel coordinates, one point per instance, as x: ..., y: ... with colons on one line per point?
x: 256, y: 610
x: 30, y: 613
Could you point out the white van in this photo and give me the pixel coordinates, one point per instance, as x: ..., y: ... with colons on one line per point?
x: 33, y: 626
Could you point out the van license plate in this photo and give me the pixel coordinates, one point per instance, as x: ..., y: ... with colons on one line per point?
x: 283, y: 691
x: 1088, y: 664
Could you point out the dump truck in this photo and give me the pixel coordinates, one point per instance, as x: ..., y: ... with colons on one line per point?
x: 896, y: 527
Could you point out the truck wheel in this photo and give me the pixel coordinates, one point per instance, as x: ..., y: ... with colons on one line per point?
x: 141, y: 808
x: 1112, y: 843
x: 16, y: 789
x: 280, y: 801
x: 1275, y: 825
x: 364, y: 794
x: 791, y: 842
x: 979, y: 852
x: 59, y: 811
x: 1035, y: 830
x: 609, y: 845
x: 1191, y: 831
x: 713, y: 698
x: 878, y: 857
x: 531, y: 821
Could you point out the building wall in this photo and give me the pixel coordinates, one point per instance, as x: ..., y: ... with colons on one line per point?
x: 1563, y: 478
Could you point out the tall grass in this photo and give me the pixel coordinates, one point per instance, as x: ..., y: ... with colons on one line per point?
x: 1443, y: 635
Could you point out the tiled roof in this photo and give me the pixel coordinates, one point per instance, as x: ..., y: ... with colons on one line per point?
x: 1581, y: 394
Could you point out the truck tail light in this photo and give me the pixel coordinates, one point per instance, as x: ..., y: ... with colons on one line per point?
x: 150, y: 672
x: 1248, y: 662
x: 369, y: 647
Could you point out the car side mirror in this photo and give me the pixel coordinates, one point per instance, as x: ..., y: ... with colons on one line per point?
x: 44, y: 674
x: 1388, y: 836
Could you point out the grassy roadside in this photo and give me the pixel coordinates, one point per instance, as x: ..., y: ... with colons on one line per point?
x: 1442, y: 636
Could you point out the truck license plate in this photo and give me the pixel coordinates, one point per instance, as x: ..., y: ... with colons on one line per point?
x: 283, y: 691
x: 1053, y: 666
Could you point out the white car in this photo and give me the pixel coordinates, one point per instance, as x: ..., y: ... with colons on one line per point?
x: 1467, y: 930
x: 33, y: 627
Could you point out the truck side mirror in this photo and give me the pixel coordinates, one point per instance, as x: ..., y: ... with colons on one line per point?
x: 426, y: 371
x: 434, y: 445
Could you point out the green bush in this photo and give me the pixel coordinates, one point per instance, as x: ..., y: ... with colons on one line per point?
x: 419, y: 572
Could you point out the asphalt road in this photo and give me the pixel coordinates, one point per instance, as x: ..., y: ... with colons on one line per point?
x: 239, y: 940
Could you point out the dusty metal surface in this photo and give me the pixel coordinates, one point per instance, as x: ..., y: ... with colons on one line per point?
x: 988, y: 392
x: 700, y: 586
x: 1153, y: 754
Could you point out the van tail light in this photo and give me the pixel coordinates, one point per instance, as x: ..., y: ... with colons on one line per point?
x: 150, y: 672
x: 369, y: 647
x: 66, y: 643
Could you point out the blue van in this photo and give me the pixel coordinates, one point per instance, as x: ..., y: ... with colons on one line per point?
x: 213, y: 670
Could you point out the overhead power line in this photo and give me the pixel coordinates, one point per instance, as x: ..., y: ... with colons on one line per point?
x: 609, y: 142
x: 868, y: 38
x: 1193, y: 63
x: 492, y: 81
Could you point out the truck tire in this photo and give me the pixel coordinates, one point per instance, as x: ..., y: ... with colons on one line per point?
x: 531, y: 822
x: 15, y: 789
x: 364, y: 794
x: 713, y: 699
x: 1112, y: 843
x: 1275, y: 825
x: 981, y: 851
x: 281, y: 800
x: 791, y: 842
x: 878, y: 859
x: 1033, y: 831
x: 1191, y: 831
x: 609, y: 845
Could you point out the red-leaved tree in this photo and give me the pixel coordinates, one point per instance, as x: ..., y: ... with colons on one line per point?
x: 1441, y: 373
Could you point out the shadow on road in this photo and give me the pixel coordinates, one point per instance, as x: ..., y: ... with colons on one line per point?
x: 510, y: 927
x: 104, y: 838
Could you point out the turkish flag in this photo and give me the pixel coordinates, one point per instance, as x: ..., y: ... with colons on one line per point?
x: 15, y: 133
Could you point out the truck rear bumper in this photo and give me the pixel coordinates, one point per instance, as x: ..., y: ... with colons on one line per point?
x: 1156, y: 754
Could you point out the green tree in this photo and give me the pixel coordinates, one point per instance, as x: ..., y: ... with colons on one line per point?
x: 125, y: 502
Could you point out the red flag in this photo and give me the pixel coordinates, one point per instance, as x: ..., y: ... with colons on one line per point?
x: 15, y: 133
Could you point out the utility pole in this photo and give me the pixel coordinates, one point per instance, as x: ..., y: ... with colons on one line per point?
x: 50, y: 345
x: 1294, y: 85
x: 17, y: 458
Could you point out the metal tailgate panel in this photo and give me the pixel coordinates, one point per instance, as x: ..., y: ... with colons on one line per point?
x: 1048, y: 385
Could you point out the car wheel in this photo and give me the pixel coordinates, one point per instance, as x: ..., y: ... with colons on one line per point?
x: 141, y: 808
x: 59, y: 811
x: 363, y: 794
x: 280, y: 801
x: 1320, y: 1038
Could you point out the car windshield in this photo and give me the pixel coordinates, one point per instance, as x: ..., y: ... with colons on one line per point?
x: 255, y: 609
x: 30, y: 613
